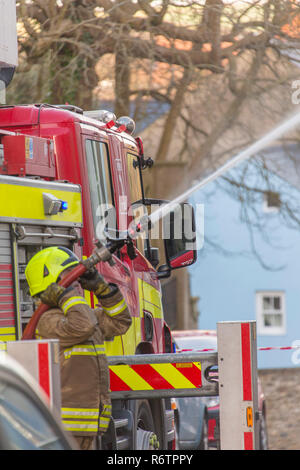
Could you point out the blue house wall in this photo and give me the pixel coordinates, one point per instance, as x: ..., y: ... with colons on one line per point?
x: 227, y: 285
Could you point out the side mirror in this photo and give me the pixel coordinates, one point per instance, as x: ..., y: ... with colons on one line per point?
x: 180, y: 237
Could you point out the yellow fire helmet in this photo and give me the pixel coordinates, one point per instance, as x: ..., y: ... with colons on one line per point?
x: 46, y: 266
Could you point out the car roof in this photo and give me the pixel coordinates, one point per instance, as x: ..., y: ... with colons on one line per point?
x: 15, y: 374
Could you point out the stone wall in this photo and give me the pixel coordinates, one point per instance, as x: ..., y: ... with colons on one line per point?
x: 282, y: 391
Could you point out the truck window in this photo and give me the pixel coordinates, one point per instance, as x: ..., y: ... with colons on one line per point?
x: 134, y: 178
x: 99, y: 182
x: 135, y: 189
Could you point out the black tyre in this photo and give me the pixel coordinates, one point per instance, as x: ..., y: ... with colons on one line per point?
x: 204, y: 435
x: 146, y: 438
x: 144, y: 416
x: 263, y: 434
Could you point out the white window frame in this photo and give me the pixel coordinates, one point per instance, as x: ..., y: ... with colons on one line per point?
x: 260, y: 312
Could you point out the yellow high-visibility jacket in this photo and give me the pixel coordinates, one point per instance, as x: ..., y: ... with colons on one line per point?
x: 81, y: 331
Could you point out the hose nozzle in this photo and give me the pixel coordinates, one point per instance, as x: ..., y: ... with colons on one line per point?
x: 100, y: 253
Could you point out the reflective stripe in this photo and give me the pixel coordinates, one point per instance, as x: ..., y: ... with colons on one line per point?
x: 85, y: 350
x: 86, y: 426
x: 105, y: 416
x: 85, y: 419
x: 88, y: 419
x: 104, y: 422
x: 37, y: 335
x: 71, y: 302
x: 106, y: 410
x: 116, y: 309
x: 80, y: 413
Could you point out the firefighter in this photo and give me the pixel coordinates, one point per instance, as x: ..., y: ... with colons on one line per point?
x: 81, y: 331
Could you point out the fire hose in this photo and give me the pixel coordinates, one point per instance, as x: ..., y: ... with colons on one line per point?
x: 101, y: 253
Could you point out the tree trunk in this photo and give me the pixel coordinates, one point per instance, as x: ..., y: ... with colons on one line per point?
x: 122, y: 82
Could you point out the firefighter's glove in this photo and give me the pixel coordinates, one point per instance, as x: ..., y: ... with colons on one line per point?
x: 52, y: 295
x: 93, y: 281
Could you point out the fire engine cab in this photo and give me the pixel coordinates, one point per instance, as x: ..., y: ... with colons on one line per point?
x: 64, y: 176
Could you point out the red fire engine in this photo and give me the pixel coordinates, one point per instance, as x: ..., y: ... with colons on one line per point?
x: 55, y: 149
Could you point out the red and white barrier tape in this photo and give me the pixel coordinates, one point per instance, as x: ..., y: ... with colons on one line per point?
x: 195, y: 350
x: 278, y: 348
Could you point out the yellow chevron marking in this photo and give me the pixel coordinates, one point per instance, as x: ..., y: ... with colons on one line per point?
x: 131, y: 378
x: 173, y: 376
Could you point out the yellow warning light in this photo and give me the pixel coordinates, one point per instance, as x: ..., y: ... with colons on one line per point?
x: 249, y: 416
